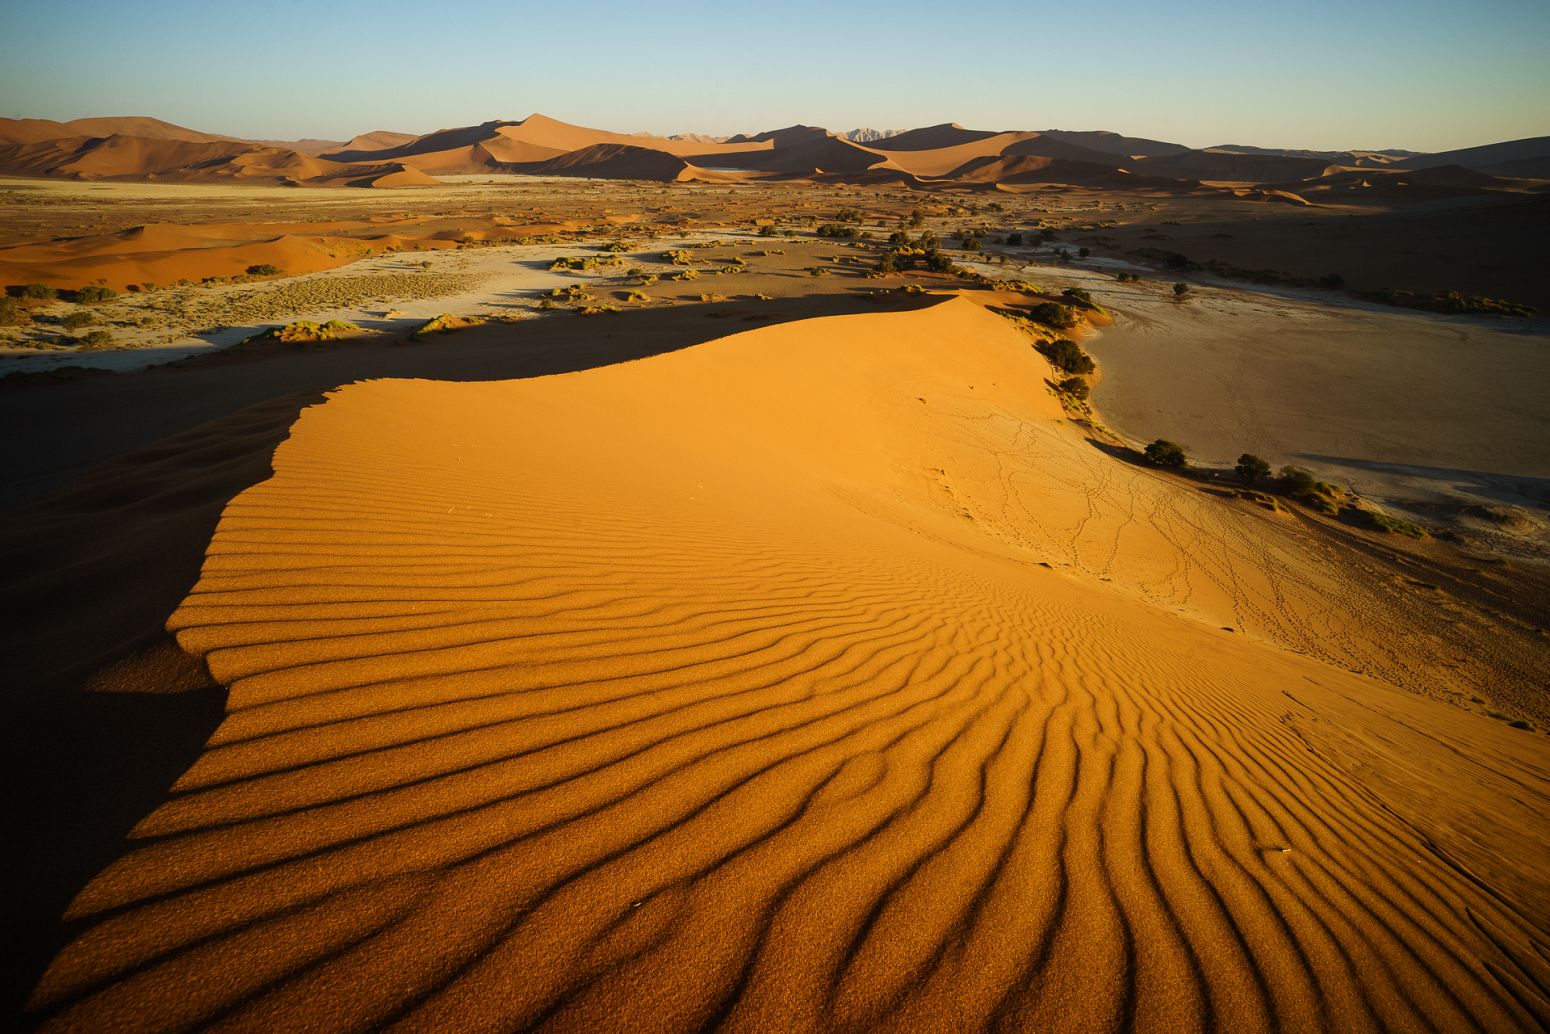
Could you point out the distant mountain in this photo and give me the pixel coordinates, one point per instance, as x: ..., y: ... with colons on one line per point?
x: 1327, y: 155
x: 927, y: 158
x: 870, y: 136
x: 1528, y: 158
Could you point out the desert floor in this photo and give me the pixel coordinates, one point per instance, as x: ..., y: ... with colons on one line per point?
x: 796, y: 662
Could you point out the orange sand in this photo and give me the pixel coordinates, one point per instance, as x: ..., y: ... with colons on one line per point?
x: 820, y: 677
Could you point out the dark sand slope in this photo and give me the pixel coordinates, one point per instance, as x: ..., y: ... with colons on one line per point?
x: 729, y: 687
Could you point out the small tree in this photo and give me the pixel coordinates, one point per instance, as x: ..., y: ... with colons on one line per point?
x: 39, y: 292
x: 917, y: 218
x: 1076, y: 387
x: 1298, y: 481
x: 1164, y: 453
x: 1065, y: 354
x: 1180, y: 290
x: 94, y: 293
x: 1252, y: 469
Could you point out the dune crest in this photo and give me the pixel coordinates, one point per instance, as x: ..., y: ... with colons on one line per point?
x: 818, y: 677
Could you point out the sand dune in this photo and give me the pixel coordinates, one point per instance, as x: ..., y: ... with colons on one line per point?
x: 819, y: 677
x: 624, y: 161
x: 1226, y: 166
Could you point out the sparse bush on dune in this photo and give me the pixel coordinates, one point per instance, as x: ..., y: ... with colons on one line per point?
x: 94, y: 293
x: 1076, y: 387
x: 10, y: 312
x: 835, y: 230
x: 1163, y: 453
x: 1065, y: 354
x: 636, y: 296
x: 1180, y: 290
x: 677, y: 256
x: 615, y: 247
x: 305, y: 331
x: 1297, y: 481
x: 444, y: 322
x: 686, y: 274
x: 39, y: 293
x: 767, y: 230
x: 78, y: 319
x: 817, y: 271
x: 264, y: 269
x: 95, y: 339
x: 1252, y: 469
x: 1377, y: 520
x: 1053, y: 315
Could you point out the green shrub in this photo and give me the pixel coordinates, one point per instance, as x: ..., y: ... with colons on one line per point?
x: 39, y: 293
x: 94, y: 293
x: 1053, y: 315
x: 1387, y: 523
x: 264, y: 269
x: 1252, y: 469
x: 1076, y: 387
x: 677, y: 256
x: 1297, y: 481
x: 95, y: 339
x: 76, y: 320
x: 835, y: 230
x: 1065, y: 354
x: 1164, y: 453
x: 1180, y: 290
x: 10, y: 312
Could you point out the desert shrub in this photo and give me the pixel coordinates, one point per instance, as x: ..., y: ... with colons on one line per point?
x: 1164, y: 453
x: 817, y: 271
x: 1180, y: 290
x: 1297, y: 481
x: 95, y: 339
x: 635, y: 296
x: 1252, y: 469
x: 595, y: 310
x: 677, y: 256
x: 95, y: 293
x: 937, y: 262
x: 571, y: 293
x: 1076, y: 387
x: 1387, y: 523
x: 76, y: 320
x: 685, y: 274
x: 1065, y: 354
x: 917, y: 218
x: 616, y: 247
x: 10, y: 312
x: 264, y: 269
x: 1053, y: 314
x: 970, y: 244
x: 1077, y: 296
x: 711, y: 296
x: 39, y: 293
x: 766, y: 230
x: 848, y: 215
x: 835, y: 230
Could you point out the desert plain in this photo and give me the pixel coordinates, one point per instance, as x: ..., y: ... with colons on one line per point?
x: 532, y: 577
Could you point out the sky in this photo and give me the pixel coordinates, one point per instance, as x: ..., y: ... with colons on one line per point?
x: 1426, y: 75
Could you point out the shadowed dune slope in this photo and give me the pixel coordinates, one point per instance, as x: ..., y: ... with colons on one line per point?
x: 730, y: 687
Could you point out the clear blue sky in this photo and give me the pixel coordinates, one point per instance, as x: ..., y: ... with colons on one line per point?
x: 1422, y: 74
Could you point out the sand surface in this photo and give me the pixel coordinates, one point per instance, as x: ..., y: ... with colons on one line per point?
x: 824, y: 676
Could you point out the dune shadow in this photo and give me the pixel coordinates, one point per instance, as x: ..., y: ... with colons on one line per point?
x: 1512, y: 488
x: 114, y: 487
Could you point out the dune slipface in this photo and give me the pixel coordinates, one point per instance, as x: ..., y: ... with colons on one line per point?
x: 731, y: 687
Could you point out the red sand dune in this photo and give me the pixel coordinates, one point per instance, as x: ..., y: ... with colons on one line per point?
x: 820, y: 677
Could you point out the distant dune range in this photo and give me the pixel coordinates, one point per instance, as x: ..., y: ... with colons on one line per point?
x: 140, y: 148
x: 819, y: 677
